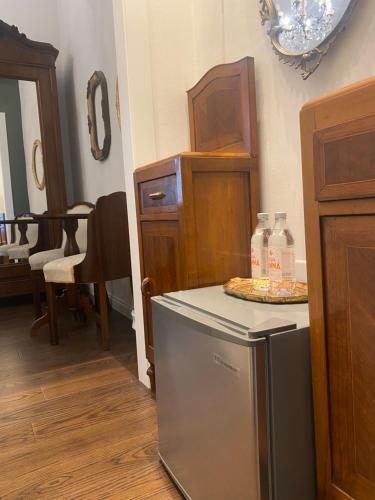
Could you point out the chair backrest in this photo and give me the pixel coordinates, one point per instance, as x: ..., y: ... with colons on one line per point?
x: 42, y: 237
x: 32, y: 234
x: 15, y: 232
x: 108, y: 245
x: 81, y: 234
x: 3, y: 231
x: 31, y: 231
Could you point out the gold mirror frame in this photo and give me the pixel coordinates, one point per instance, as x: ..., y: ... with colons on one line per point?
x: 309, y: 61
x: 40, y: 184
x: 98, y: 79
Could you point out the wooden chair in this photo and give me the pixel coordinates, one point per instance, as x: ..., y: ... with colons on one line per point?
x: 21, y: 251
x: 107, y: 258
x: 3, y: 233
x: 41, y: 254
x: 24, y: 237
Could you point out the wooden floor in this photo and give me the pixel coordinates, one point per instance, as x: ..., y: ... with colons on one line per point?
x: 75, y: 423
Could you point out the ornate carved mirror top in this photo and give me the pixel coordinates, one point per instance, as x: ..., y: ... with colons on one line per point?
x: 16, y: 47
x: 302, y: 31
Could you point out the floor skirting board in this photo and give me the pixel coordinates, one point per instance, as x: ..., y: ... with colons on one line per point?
x: 121, y: 306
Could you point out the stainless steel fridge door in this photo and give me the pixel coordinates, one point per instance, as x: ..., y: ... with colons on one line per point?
x: 212, y: 412
x: 291, y: 416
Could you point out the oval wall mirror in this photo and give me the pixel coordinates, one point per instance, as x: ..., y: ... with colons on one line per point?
x: 37, y: 165
x: 98, y: 131
x: 302, y: 31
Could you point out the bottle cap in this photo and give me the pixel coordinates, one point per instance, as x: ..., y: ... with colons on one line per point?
x: 262, y: 215
x: 280, y: 215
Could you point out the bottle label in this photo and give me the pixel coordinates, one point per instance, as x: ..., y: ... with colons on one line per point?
x: 281, y: 264
x: 288, y: 264
x: 275, y: 264
x: 258, y: 261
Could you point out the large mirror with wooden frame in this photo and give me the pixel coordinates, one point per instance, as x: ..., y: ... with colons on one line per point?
x: 29, y: 114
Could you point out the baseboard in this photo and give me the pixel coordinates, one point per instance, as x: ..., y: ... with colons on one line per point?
x: 121, y: 306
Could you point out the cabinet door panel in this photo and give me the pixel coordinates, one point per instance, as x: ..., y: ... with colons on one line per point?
x: 222, y: 225
x: 349, y: 258
x: 161, y: 264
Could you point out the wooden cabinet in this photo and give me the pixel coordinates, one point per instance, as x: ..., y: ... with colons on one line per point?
x: 196, y: 213
x: 338, y: 134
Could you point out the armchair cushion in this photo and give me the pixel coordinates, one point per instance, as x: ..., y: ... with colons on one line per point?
x: 62, y: 270
x: 4, y: 249
x: 40, y: 259
x: 19, y: 252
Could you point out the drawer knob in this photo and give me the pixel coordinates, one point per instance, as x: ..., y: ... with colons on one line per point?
x: 159, y: 195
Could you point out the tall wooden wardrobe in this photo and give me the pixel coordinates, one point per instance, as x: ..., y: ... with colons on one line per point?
x: 196, y: 211
x: 338, y: 150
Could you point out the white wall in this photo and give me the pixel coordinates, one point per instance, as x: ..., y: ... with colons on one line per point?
x: 31, y: 132
x: 36, y: 18
x: 170, y: 44
x: 137, y: 125
x: 86, y: 45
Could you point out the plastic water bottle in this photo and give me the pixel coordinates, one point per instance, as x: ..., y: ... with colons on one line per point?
x: 259, y: 247
x: 281, y: 258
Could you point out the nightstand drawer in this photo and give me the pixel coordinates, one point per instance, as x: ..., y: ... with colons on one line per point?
x: 158, y: 195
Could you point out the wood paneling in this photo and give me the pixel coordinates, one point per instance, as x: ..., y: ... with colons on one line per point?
x: 74, y: 421
x: 222, y: 109
x: 344, y: 159
x: 349, y: 253
x: 338, y: 157
x: 161, y: 265
x: 216, y: 196
x: 14, y: 279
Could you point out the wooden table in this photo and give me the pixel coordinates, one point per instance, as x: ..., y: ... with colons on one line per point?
x: 70, y: 226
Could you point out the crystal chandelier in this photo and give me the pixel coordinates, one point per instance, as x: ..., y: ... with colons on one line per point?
x: 308, y: 24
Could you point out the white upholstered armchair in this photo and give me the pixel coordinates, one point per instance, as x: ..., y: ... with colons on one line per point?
x: 38, y: 260
x: 21, y: 244
x: 106, y: 258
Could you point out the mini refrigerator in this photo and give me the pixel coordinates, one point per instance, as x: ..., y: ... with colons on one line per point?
x: 234, y: 402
